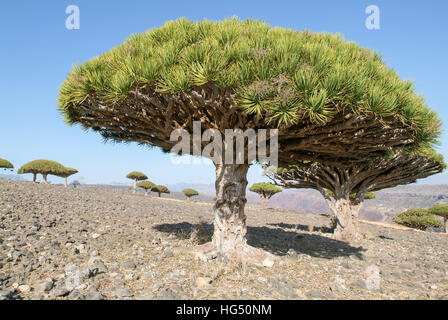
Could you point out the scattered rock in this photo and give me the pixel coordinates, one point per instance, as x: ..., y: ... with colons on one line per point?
x: 337, y: 286
x: 123, y: 293
x: 94, y: 294
x: 268, y: 262
x: 44, y: 286
x: 202, y: 283
x: 129, y: 265
x: 24, y: 288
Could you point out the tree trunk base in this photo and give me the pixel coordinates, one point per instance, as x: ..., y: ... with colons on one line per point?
x: 347, y: 227
x: 248, y: 255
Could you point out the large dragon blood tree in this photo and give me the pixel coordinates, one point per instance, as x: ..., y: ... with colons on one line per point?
x: 330, y: 100
x: 345, y: 186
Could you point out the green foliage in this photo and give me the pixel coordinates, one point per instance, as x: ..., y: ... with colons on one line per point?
x: 367, y: 195
x: 147, y: 185
x: 264, y: 187
x: 6, y: 164
x: 43, y: 167
x: 439, y: 210
x: 160, y: 189
x: 281, y: 73
x: 69, y: 172
x: 417, y: 219
x: 190, y: 193
x: 135, y: 175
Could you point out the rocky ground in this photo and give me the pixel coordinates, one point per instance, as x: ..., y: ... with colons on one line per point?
x: 58, y: 243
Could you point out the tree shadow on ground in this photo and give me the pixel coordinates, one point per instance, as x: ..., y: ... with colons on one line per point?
x: 277, y: 241
x: 302, y: 227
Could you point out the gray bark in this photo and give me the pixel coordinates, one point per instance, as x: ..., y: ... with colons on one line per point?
x: 346, y: 213
x: 264, y: 202
x: 65, y: 182
x: 44, y: 177
x: 230, y: 219
x: 135, y: 187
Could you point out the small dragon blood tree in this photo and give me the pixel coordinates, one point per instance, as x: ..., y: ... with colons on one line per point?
x: 5, y: 164
x: 345, y: 187
x: 420, y: 219
x: 69, y: 172
x: 146, y: 185
x: 442, y: 211
x: 136, y: 176
x: 43, y: 167
x: 190, y: 193
x: 160, y: 189
x: 266, y: 191
x: 329, y: 99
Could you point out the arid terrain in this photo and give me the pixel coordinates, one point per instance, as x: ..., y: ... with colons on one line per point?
x: 95, y: 243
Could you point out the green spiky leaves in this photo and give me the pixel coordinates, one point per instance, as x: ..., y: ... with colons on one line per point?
x: 136, y: 175
x: 43, y: 167
x: 285, y: 76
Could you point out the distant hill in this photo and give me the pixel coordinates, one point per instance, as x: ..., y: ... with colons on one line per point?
x: 12, y: 177
x: 388, y: 203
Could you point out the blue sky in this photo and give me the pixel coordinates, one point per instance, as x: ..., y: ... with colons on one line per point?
x: 38, y: 51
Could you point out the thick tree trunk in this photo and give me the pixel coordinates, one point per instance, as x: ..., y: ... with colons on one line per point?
x: 160, y: 194
x: 346, y: 212
x: 230, y: 219
x: 34, y: 177
x: 264, y: 202
x: 65, y: 182
x: 135, y: 187
x: 229, y: 237
x: 44, y: 176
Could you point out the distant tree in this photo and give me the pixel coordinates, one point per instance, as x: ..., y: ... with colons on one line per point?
x: 136, y: 176
x: 442, y: 211
x: 420, y: 219
x: 5, y: 164
x: 146, y: 185
x: 75, y: 184
x: 190, y: 193
x: 265, y: 191
x: 43, y: 167
x: 160, y: 189
x: 69, y: 172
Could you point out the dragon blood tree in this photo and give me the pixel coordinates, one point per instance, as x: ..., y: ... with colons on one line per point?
x: 69, y: 172
x: 442, y: 211
x: 420, y: 219
x: 329, y: 99
x: 265, y: 191
x: 345, y: 187
x: 43, y: 167
x: 160, y: 189
x: 190, y: 193
x: 5, y: 164
x: 146, y: 185
x: 136, y: 176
